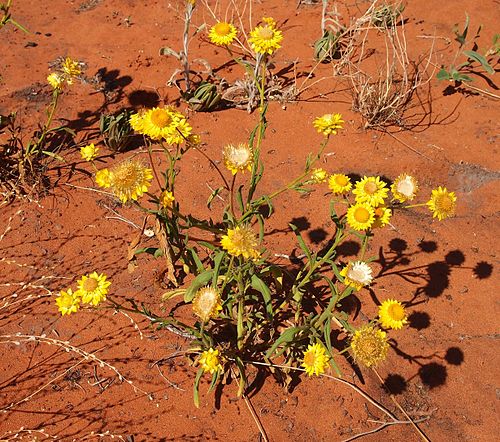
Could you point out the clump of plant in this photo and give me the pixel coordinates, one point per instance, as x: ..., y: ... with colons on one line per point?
x: 116, y: 130
x: 327, y: 47
x: 387, y: 15
x: 5, y: 10
x: 474, y: 59
x: 23, y: 162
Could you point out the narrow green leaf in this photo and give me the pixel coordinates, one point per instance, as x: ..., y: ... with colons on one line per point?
x: 443, y: 74
x: 301, y: 241
x: 217, y: 263
x: 480, y: 59
x: 196, y: 386
x: 201, y: 280
x: 259, y: 285
x: 214, y: 193
x: 287, y: 336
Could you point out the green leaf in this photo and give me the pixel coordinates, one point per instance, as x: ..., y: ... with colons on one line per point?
x: 443, y: 74
x: 461, y: 37
x: 301, y: 241
x: 217, y: 263
x: 213, y: 195
x: 457, y: 76
x: 201, y: 280
x: 196, y: 386
x: 263, y: 289
x: 480, y: 59
x: 196, y: 259
x: 151, y: 250
x: 287, y: 336
x: 53, y: 155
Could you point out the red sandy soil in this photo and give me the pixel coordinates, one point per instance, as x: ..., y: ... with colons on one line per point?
x: 446, y: 366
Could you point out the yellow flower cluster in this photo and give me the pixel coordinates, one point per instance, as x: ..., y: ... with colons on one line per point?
x: 392, y: 314
x: 238, y: 158
x: 210, y: 361
x: 162, y: 123
x: 89, y: 152
x: 266, y: 38
x: 241, y: 241
x: 92, y: 289
x: 207, y: 303
x: 222, y: 33
x: 369, y: 345
x: 315, y: 359
x: 65, y: 73
x: 328, y: 124
x: 357, y: 274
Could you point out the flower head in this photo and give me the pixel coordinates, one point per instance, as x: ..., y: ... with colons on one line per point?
x: 166, y: 199
x: 71, y: 68
x: 93, y: 288
x: 89, y: 152
x: 222, y: 33
x: 382, y: 216
x: 315, y: 360
x: 404, y: 188
x: 328, y: 124
x: 339, y: 183
x: 241, y: 241
x: 56, y: 80
x: 392, y: 314
x: 371, y: 190
x: 209, y: 361
x: 442, y: 203
x: 319, y: 175
x: 357, y: 274
x: 68, y: 302
x: 162, y: 123
x: 207, y: 303
x: 266, y: 39
x: 238, y: 158
x: 360, y: 216
x: 369, y: 345
x: 128, y: 180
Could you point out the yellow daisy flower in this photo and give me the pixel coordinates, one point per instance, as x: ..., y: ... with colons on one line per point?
x: 56, y: 80
x: 102, y: 178
x: 369, y: 345
x: 266, y: 39
x: 128, y: 180
x: 328, y: 124
x: 404, y: 188
x: 357, y: 274
x: 382, y: 216
x: 319, y: 175
x: 209, y: 361
x: 238, y: 158
x: 222, y: 33
x: 241, y: 241
x: 360, y: 216
x: 371, y: 190
x: 68, y: 302
x: 137, y: 122
x: 71, y: 68
x: 162, y: 123
x: 166, y: 199
x: 315, y: 360
x: 339, y: 183
x: 89, y: 152
x: 207, y: 303
x: 442, y: 203
x: 392, y: 314
x: 93, y: 288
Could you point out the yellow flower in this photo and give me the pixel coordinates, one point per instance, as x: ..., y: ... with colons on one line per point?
x: 162, y: 123
x: 166, y: 199
x: 207, y: 303
x: 404, y: 188
x: 70, y: 68
x: 238, y: 158
x: 68, y: 302
x: 360, y: 216
x: 328, y: 124
x: 369, y: 345
x: 265, y: 39
x: 442, y: 203
x: 241, y: 241
x: 222, y: 33
x: 357, y: 274
x: 315, y: 360
x: 392, y: 314
x: 129, y: 180
x: 89, y: 152
x: 319, y: 175
x: 209, y: 361
x: 371, y: 190
x: 56, y: 80
x: 137, y: 122
x: 339, y: 183
x: 93, y: 288
x: 194, y: 139
x: 102, y: 178
x: 382, y: 216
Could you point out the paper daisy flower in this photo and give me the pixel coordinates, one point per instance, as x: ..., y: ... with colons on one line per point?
x: 328, y: 124
x: 339, y: 184
x: 241, y: 241
x: 360, y: 216
x: 319, y: 175
x: 357, y: 274
x: 392, y: 314
x: 404, y: 188
x: 71, y: 68
x: 369, y: 345
x: 382, y: 216
x: 56, y: 80
x: 89, y: 152
x: 93, y: 288
x: 207, y: 303
x: 371, y: 190
x: 266, y: 39
x: 166, y: 199
x: 68, y: 302
x: 127, y: 180
x: 315, y: 360
x: 137, y: 122
x: 238, y: 158
x: 442, y: 203
x: 222, y: 33
x: 209, y: 361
